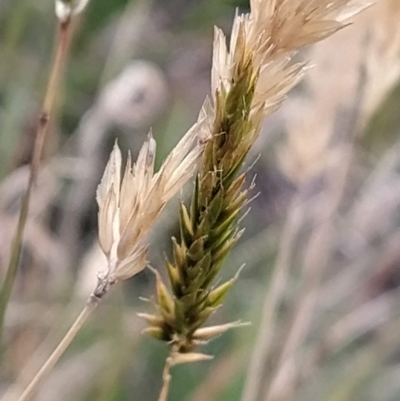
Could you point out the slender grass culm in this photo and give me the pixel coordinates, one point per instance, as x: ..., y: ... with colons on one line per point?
x: 128, y: 208
x: 65, y: 11
x: 249, y: 82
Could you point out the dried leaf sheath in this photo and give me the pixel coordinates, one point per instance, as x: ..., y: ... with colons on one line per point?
x: 249, y: 82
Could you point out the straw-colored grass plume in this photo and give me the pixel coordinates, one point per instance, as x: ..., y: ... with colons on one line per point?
x: 250, y: 79
x: 129, y: 205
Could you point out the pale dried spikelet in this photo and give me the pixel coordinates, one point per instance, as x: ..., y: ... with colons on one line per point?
x: 129, y: 205
x: 249, y: 82
x: 179, y: 359
x: 208, y: 333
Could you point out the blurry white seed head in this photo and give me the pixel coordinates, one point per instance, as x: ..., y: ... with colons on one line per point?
x: 135, y: 96
x: 67, y: 8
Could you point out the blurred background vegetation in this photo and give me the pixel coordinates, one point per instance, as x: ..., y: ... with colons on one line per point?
x: 322, y: 242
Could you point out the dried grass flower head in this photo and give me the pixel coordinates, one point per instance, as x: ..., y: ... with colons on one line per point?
x: 130, y: 203
x: 264, y: 41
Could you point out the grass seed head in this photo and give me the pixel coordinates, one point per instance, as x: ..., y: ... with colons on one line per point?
x: 249, y: 80
x: 130, y: 204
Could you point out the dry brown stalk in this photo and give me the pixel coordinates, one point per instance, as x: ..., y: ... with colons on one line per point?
x: 46, y: 115
x: 60, y: 349
x: 262, y: 347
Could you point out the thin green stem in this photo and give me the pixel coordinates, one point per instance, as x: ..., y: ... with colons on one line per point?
x: 46, y: 115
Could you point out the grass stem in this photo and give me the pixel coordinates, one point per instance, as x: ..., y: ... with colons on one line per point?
x: 46, y: 115
x: 166, y: 376
x: 62, y: 346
